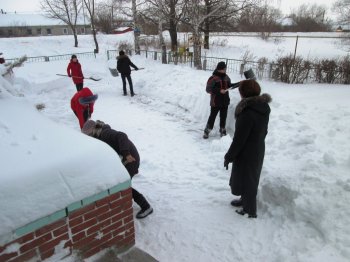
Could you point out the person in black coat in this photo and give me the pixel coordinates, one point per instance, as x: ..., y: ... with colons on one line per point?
x: 218, y: 85
x: 248, y: 146
x: 123, y: 67
x: 126, y: 150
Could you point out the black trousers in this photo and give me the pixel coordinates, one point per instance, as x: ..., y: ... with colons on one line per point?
x: 79, y: 86
x: 213, y: 113
x: 139, y: 199
x: 130, y: 84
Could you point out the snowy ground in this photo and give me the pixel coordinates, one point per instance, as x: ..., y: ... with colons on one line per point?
x: 303, y: 212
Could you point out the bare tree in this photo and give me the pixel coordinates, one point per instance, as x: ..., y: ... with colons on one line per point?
x: 64, y: 10
x: 137, y: 29
x: 134, y: 13
x: 161, y: 41
x: 227, y: 9
x: 197, y: 14
x: 342, y: 9
x: 262, y: 19
x: 171, y: 12
x: 159, y: 5
x: 310, y: 18
x: 105, y: 16
x: 90, y: 6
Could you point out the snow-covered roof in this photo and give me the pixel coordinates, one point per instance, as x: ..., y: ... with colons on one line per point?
x: 122, y: 28
x: 31, y: 20
x: 46, y: 166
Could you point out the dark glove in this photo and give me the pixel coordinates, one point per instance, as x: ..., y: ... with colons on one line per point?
x: 226, y: 164
x: 69, y: 76
x: 136, y: 69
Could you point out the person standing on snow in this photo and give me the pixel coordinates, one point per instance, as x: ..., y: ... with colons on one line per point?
x: 248, y: 146
x: 128, y: 153
x: 123, y: 67
x: 218, y: 85
x: 82, y: 104
x: 74, y: 71
x: 2, y: 59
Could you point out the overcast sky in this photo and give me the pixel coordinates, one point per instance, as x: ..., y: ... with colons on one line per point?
x: 34, y: 5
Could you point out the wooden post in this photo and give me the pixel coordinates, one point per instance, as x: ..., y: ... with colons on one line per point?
x: 296, y: 46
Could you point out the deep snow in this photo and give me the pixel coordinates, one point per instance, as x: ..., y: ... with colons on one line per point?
x: 304, y: 192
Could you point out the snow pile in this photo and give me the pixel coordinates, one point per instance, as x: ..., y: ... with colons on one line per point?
x: 304, y: 192
x: 46, y: 166
x: 305, y: 177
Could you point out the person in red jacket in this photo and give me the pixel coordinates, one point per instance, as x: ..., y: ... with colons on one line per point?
x: 82, y: 104
x: 74, y: 71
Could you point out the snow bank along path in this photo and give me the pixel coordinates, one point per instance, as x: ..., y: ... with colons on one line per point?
x: 303, y: 213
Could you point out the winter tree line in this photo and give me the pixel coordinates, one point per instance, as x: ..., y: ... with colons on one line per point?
x: 199, y: 17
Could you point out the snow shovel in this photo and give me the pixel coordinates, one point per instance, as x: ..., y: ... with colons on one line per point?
x: 113, y: 71
x: 91, y: 78
x: 249, y: 74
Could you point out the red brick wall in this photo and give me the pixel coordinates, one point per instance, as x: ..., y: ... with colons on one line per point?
x: 102, y: 224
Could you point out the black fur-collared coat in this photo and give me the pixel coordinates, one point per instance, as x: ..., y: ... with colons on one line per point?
x: 247, y: 149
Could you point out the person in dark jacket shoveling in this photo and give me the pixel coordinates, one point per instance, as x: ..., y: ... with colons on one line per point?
x: 248, y: 146
x: 127, y: 151
x: 123, y: 67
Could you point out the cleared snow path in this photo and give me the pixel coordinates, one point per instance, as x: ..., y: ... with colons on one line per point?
x: 183, y: 176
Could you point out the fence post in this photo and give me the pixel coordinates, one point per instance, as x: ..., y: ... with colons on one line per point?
x: 205, y: 64
x: 47, y: 59
x: 241, y: 69
x: 155, y: 55
x: 169, y: 57
x: 107, y: 54
x: 270, y: 71
x: 146, y: 54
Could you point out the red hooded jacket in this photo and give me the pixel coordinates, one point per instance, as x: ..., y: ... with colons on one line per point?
x: 74, y: 71
x: 79, y: 109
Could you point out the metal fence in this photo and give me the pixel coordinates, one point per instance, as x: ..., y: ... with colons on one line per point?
x: 261, y: 68
x: 292, y: 73
x: 208, y: 63
x: 54, y: 57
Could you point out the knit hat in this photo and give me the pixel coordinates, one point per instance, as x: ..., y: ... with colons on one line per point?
x: 74, y: 56
x: 248, y: 88
x: 121, y: 52
x: 221, y: 65
x: 88, y: 127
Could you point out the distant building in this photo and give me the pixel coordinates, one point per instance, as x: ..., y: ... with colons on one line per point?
x: 343, y: 29
x: 122, y: 30
x: 16, y: 25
